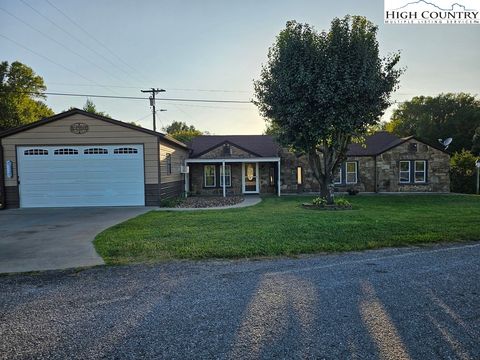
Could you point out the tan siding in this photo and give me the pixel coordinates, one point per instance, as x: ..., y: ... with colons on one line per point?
x: 100, y: 132
x: 178, y: 157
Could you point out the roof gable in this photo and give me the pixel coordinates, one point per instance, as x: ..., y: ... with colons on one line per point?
x: 257, y: 145
x: 75, y: 111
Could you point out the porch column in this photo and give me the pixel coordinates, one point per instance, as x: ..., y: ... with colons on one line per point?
x: 223, y: 178
x: 187, y: 181
x: 278, y: 180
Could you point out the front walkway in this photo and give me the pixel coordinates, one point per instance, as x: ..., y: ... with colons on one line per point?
x: 248, y: 201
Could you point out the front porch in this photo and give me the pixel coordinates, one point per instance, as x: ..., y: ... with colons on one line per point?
x: 227, y: 177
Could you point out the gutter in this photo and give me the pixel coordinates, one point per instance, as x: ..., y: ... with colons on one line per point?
x: 2, y: 180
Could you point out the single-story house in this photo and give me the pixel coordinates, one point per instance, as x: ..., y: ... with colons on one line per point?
x: 76, y: 158
x: 257, y: 164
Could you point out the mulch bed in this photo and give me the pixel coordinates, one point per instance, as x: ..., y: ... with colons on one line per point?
x: 211, y: 201
x: 325, y: 207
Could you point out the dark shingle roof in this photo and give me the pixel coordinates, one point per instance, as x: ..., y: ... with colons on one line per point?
x: 259, y: 145
x: 375, y: 144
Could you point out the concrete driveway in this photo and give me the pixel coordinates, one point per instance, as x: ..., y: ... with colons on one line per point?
x: 60, y: 238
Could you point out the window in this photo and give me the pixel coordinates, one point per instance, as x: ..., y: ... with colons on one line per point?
x: 209, y: 175
x: 404, y: 171
x: 66, y: 152
x: 125, y: 151
x: 168, y: 157
x: 271, y: 176
x: 351, y: 173
x: 338, y: 178
x: 228, y: 175
x: 35, y: 152
x: 420, y: 168
x: 299, y: 175
x: 95, y: 151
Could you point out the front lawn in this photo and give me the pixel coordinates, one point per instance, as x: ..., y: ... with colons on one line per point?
x: 280, y: 226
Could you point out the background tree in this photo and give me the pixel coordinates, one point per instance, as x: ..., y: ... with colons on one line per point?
x: 181, y: 131
x: 21, y: 96
x: 92, y: 108
x: 446, y: 115
x: 319, y: 90
x: 462, y: 172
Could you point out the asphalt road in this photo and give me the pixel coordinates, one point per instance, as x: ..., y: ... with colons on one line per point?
x: 421, y: 303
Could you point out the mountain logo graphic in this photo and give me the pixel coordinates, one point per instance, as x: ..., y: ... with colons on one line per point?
x: 452, y: 7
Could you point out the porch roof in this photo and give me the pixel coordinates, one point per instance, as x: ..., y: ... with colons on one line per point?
x: 259, y: 145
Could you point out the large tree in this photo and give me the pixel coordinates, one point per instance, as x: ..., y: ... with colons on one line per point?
x: 319, y: 90
x: 439, y: 117
x: 181, y: 131
x: 20, y: 95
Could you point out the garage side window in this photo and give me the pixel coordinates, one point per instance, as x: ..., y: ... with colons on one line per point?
x: 65, y: 151
x: 93, y: 151
x: 125, y: 150
x: 35, y: 152
x: 168, y: 157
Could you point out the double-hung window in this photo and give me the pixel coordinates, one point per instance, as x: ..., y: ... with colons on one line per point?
x: 168, y: 157
x: 351, y: 173
x: 228, y: 176
x: 209, y: 176
x: 420, y: 171
x: 404, y: 171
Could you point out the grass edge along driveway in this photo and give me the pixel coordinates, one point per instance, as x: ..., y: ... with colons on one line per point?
x: 281, y: 227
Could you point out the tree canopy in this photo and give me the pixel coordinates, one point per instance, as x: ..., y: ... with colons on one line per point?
x: 320, y: 89
x: 446, y: 115
x: 21, y: 95
x: 92, y: 108
x: 181, y: 131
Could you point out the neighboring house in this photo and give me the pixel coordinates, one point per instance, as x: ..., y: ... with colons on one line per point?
x: 256, y: 164
x: 77, y: 158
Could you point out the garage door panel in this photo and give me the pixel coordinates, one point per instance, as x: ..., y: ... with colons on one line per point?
x: 83, y: 179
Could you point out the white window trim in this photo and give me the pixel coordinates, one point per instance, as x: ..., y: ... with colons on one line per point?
x: 347, y: 172
x: 340, y: 172
x: 228, y: 175
x: 214, y: 177
x: 299, y: 175
x: 400, y: 171
x: 424, y: 171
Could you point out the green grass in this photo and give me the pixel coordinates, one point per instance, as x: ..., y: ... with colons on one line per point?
x: 280, y: 226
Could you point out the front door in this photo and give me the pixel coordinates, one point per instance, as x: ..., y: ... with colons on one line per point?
x: 250, y: 178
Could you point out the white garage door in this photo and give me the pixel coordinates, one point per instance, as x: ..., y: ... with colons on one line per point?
x: 94, y: 175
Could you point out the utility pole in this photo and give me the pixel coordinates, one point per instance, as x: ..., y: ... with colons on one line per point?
x: 153, y: 91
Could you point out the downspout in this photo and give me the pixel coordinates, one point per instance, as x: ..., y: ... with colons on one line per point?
x: 2, y: 180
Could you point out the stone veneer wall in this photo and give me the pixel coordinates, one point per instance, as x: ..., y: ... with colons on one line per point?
x: 438, y: 168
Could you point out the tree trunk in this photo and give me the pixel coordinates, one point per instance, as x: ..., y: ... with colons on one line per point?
x: 322, y: 170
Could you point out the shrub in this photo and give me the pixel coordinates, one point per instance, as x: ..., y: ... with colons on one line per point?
x: 352, y: 192
x: 319, y: 201
x: 341, y: 202
x: 171, y: 202
x: 463, y: 172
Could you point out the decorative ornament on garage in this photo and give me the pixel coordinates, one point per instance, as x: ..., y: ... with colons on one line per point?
x: 79, y: 128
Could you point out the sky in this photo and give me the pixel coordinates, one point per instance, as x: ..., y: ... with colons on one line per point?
x: 206, y: 50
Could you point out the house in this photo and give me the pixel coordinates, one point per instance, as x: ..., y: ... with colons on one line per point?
x: 76, y: 158
x: 257, y: 164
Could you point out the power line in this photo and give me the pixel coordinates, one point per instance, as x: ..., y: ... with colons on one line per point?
x: 52, y: 61
x: 72, y: 36
x: 94, y: 38
x: 62, y: 45
x: 132, y: 97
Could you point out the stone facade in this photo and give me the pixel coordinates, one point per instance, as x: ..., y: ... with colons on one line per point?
x: 375, y: 173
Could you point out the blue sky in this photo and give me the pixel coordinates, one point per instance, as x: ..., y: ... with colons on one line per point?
x: 189, y: 47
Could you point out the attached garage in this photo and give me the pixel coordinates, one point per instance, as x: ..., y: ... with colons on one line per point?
x: 81, y: 159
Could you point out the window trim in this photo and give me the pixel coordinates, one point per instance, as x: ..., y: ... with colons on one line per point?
x: 415, y: 171
x: 227, y: 176
x: 168, y: 159
x: 214, y: 176
x: 404, y: 171
x: 349, y: 172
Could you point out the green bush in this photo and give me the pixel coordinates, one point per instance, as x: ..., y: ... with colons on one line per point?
x: 343, y: 203
x: 463, y: 172
x: 319, y: 201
